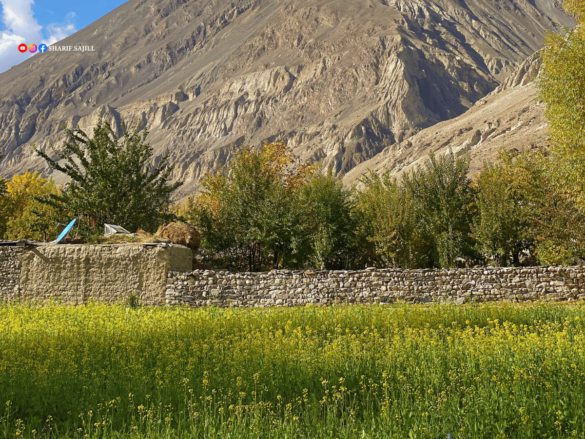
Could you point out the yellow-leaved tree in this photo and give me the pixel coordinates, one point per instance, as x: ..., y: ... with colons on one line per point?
x: 25, y: 216
x: 561, y: 222
x: 562, y: 85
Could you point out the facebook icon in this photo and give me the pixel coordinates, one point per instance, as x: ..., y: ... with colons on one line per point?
x: 43, y: 48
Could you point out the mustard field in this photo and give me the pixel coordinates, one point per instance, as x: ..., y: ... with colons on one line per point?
x: 395, y: 371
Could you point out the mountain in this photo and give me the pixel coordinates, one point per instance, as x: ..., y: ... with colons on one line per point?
x: 339, y: 80
x: 511, y: 117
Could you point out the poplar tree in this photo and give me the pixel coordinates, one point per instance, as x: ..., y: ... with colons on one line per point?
x: 387, y: 224
x: 508, y: 197
x: 2, y: 184
x: 562, y: 85
x: 561, y: 222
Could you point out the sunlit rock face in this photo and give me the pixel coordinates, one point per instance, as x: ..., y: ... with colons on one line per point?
x: 340, y: 81
x: 510, y: 117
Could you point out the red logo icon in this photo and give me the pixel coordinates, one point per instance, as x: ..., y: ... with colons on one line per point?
x: 22, y: 48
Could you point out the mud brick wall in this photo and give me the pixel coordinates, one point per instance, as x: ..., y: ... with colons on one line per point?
x: 10, y: 272
x: 78, y: 273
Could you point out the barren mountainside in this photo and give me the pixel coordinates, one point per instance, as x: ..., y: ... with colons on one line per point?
x: 508, y: 118
x: 340, y: 81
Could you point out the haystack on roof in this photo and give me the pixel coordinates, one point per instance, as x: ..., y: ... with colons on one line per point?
x: 180, y: 233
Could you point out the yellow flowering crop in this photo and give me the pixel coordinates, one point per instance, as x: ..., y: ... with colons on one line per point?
x: 478, y: 371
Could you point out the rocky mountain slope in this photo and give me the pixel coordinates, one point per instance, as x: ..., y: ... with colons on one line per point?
x: 339, y: 80
x: 511, y: 117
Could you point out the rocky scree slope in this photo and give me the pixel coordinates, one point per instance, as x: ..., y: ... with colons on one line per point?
x: 339, y: 80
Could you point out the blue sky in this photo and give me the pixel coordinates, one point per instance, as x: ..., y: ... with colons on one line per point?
x: 44, y: 21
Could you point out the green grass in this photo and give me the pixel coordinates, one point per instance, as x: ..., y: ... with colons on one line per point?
x: 478, y: 371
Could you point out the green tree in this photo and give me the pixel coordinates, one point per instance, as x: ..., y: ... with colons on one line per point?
x: 557, y: 215
x: 506, y: 202
x: 560, y: 223
x: 387, y: 224
x: 113, y: 180
x: 2, y: 184
x: 522, y: 205
x: 443, y: 203
x: 422, y: 221
x: 3, y: 207
x: 247, y: 212
x: 264, y: 211
x: 327, y: 222
x: 561, y: 85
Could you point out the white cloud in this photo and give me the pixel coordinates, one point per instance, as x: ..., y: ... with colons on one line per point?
x: 22, y: 27
x: 58, y: 31
x: 17, y: 16
x: 9, y: 54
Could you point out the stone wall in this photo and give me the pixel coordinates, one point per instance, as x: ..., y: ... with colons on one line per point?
x: 10, y: 272
x: 290, y: 288
x: 159, y: 274
x: 106, y: 273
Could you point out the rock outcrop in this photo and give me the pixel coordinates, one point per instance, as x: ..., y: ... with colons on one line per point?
x: 340, y: 81
x: 511, y: 117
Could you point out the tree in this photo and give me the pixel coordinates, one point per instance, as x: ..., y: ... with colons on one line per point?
x: 387, y: 222
x: 2, y: 205
x: 561, y: 84
x: 562, y: 87
x: 27, y: 218
x: 265, y: 211
x: 443, y: 203
x: 522, y: 205
x: 327, y: 222
x: 113, y: 180
x: 422, y: 221
x: 246, y: 212
x: 2, y: 185
x: 557, y: 215
x: 505, y: 205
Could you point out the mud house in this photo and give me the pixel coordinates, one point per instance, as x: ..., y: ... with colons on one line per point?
x: 78, y: 273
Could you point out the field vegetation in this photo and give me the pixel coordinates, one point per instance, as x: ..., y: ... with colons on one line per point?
x: 478, y: 371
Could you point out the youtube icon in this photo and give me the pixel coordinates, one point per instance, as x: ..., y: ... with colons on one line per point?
x: 22, y: 48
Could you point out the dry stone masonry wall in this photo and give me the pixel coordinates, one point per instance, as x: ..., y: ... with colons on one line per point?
x: 293, y: 288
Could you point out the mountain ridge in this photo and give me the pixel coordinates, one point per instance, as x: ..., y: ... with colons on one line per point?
x: 339, y: 81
